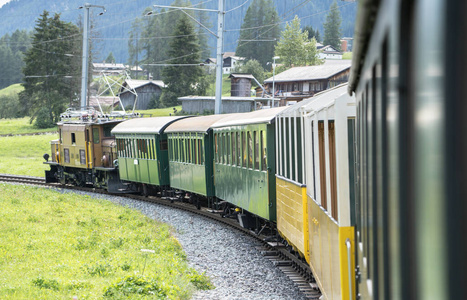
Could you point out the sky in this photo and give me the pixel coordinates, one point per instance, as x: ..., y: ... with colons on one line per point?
x: 3, y: 2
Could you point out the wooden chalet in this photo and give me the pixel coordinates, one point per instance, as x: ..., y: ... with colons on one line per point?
x: 298, y: 83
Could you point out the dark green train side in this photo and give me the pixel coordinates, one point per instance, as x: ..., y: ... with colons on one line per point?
x: 227, y: 161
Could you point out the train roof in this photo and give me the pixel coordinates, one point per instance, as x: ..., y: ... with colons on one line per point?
x: 195, y: 124
x: 153, y: 125
x: 255, y: 117
x: 366, y: 17
x: 322, y: 99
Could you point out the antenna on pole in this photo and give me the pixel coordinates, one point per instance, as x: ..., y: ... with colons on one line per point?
x: 85, y: 63
x: 220, y: 47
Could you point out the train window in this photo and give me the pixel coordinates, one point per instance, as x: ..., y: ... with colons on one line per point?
x: 73, y: 138
x: 244, y: 150
x: 200, y: 152
x: 227, y: 148
x: 256, y: 142
x: 82, y: 157
x: 194, y: 151
x: 233, y: 138
x: 322, y: 165
x: 216, y: 159
x: 95, y: 136
x: 332, y: 171
x: 202, y: 148
x: 177, y: 148
x: 108, y: 130
x: 189, y: 155
x: 60, y: 135
x: 66, y: 153
x: 164, y: 145
x: 239, y: 149
x: 264, y: 165
x: 250, y: 150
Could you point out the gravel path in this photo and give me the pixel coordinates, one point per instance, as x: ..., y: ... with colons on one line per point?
x: 229, y: 258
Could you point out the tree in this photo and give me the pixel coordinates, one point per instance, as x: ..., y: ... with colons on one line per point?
x: 294, y: 47
x: 332, y: 31
x: 110, y: 58
x: 183, y: 80
x: 312, y: 33
x: 252, y: 67
x: 50, y: 65
x: 259, y: 32
x: 12, y: 50
x: 150, y: 37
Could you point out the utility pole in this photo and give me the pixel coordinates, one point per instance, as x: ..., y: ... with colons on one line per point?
x: 220, y: 46
x: 220, y: 57
x: 85, y: 62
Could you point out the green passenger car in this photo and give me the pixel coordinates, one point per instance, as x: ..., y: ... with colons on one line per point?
x: 191, y: 154
x: 142, y: 150
x: 244, y: 161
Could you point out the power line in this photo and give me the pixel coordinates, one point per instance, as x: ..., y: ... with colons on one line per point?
x: 238, y: 6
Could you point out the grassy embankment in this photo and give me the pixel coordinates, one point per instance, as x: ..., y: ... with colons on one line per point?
x: 22, y: 155
x: 56, y: 246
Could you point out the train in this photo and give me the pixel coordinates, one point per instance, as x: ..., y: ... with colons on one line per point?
x: 251, y: 166
x: 410, y: 166
x: 363, y: 181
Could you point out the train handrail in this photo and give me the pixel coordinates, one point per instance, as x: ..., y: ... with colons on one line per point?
x: 349, y: 266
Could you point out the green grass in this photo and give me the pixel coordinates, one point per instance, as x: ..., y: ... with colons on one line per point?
x: 160, y: 112
x: 20, y: 126
x: 12, y: 89
x: 22, y: 155
x: 211, y: 91
x: 58, y: 245
x: 347, y: 55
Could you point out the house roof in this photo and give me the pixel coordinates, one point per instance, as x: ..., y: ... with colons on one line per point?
x: 107, y: 66
x: 328, y: 69
x: 240, y: 75
x: 103, y: 100
x: 134, y: 84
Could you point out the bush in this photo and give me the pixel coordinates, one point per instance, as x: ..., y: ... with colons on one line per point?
x: 42, y: 283
x: 135, y: 285
x: 9, y: 107
x: 43, y: 119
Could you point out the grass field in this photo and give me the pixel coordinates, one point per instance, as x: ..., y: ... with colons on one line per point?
x: 12, y: 89
x: 59, y: 245
x: 158, y: 112
x: 20, y: 126
x: 22, y: 155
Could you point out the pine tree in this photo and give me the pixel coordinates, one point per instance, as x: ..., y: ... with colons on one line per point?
x: 183, y: 80
x: 259, y: 32
x: 294, y: 47
x: 48, y: 67
x: 332, y: 31
x: 110, y: 58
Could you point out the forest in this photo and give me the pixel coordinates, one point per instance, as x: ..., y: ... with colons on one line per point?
x: 113, y: 27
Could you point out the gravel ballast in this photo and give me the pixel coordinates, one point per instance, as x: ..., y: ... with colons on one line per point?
x: 236, y: 268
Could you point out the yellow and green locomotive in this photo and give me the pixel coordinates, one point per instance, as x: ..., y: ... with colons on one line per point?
x: 85, y: 152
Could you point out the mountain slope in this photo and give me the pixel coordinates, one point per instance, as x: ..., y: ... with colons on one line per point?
x: 114, y: 25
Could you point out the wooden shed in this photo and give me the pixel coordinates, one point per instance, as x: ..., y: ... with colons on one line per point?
x: 240, y: 84
x: 147, y: 92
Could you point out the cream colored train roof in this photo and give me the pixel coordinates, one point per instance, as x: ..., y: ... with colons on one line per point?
x: 196, y: 124
x: 254, y: 117
x: 153, y: 125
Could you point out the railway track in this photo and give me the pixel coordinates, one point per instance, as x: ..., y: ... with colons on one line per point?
x: 280, y: 255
